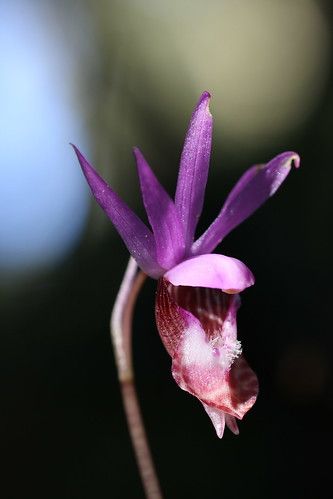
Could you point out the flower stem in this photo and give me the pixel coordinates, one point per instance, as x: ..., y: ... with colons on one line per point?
x: 121, y: 334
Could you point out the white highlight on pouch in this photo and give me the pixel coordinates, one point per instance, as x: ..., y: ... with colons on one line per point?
x: 219, y: 351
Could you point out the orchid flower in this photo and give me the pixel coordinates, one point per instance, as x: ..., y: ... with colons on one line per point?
x: 198, y: 291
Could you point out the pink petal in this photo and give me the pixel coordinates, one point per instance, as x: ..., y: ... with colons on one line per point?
x: 197, y: 370
x: 254, y: 188
x: 197, y: 327
x: 212, y: 271
x: 194, y: 165
x: 231, y: 423
x: 217, y: 417
x: 220, y: 419
x: 162, y: 215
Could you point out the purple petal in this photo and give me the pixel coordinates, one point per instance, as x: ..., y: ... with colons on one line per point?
x: 162, y: 215
x: 194, y: 166
x: 137, y: 237
x: 251, y: 191
x: 212, y: 271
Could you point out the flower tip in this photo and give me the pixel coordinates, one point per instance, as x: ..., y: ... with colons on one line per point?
x: 95, y: 181
x: 78, y: 153
x: 236, y: 432
x: 203, y: 106
x: 204, y: 99
x: 74, y: 147
x: 138, y: 156
x: 219, y: 433
x: 206, y: 95
x: 136, y: 152
x: 296, y: 159
x: 86, y: 167
x: 289, y: 158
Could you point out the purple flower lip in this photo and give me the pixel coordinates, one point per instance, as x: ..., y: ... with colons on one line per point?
x: 170, y: 239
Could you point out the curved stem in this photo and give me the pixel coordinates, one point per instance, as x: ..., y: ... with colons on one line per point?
x: 121, y: 334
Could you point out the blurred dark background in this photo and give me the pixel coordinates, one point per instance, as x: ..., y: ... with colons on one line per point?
x: 108, y: 75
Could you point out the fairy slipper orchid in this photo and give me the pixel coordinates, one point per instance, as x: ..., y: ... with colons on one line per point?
x: 198, y: 291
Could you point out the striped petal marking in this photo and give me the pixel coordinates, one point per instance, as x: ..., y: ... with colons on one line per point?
x: 198, y: 328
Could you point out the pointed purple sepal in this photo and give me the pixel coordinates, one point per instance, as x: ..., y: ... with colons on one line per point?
x: 137, y: 237
x: 194, y: 166
x: 162, y: 215
x: 254, y: 188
